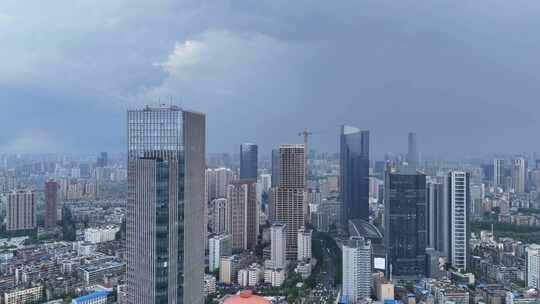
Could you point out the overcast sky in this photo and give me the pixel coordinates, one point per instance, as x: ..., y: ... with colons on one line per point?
x: 465, y: 75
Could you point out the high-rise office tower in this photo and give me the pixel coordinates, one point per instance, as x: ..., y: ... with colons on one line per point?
x: 20, y: 211
x: 243, y: 224
x: 206, y: 213
x: 278, y: 244
x: 266, y: 182
x: 220, y: 215
x: 519, y: 174
x: 275, y: 168
x: 102, y: 160
x: 405, y: 221
x: 288, y: 198
x: 413, y: 156
x: 354, y: 173
x: 51, y: 202
x: 219, y: 246
x: 477, y: 199
x: 498, y: 172
x: 248, y: 161
x: 534, y: 180
x: 438, y: 215
x: 459, y: 199
x: 304, y: 244
x: 217, y: 181
x: 533, y: 266
x: 165, y: 238
x: 356, y: 270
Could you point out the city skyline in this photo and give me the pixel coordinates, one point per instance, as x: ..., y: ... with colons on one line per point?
x: 272, y: 152
x: 426, y: 222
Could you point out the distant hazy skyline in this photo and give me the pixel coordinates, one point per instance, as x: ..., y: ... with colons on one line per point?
x: 463, y: 75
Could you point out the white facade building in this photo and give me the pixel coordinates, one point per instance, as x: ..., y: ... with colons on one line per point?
x: 533, y: 266
x: 250, y: 276
x: 266, y: 182
x: 304, y: 244
x: 209, y: 284
x: 275, y: 277
x: 100, y: 235
x: 357, y: 270
x: 30, y: 295
x: 217, y: 181
x: 498, y: 172
x: 519, y: 174
x: 243, y: 278
x: 219, y: 246
x: 459, y: 199
x: 278, y: 246
x: 254, y: 275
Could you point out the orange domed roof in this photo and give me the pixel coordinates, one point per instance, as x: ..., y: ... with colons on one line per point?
x: 246, y: 297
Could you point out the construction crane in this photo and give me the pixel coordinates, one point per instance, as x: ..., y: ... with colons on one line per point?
x: 306, y: 135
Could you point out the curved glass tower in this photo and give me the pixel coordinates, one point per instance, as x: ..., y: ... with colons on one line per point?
x: 354, y: 173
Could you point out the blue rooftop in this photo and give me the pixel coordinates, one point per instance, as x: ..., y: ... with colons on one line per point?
x: 89, y: 297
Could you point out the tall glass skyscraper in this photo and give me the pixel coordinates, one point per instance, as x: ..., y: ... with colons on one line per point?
x: 275, y: 168
x: 354, y: 174
x: 248, y: 161
x: 405, y: 222
x: 438, y: 215
x: 165, y: 238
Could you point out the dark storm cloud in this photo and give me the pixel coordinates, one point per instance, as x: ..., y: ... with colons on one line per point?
x: 463, y: 75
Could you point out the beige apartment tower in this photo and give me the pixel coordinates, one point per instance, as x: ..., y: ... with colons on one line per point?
x: 288, y: 201
x: 21, y: 211
x: 243, y: 223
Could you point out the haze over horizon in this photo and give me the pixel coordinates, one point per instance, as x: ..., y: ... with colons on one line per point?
x: 464, y: 75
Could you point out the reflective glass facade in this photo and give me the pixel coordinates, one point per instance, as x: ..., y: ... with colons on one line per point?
x: 354, y: 173
x: 165, y: 184
x: 248, y: 161
x: 405, y: 222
